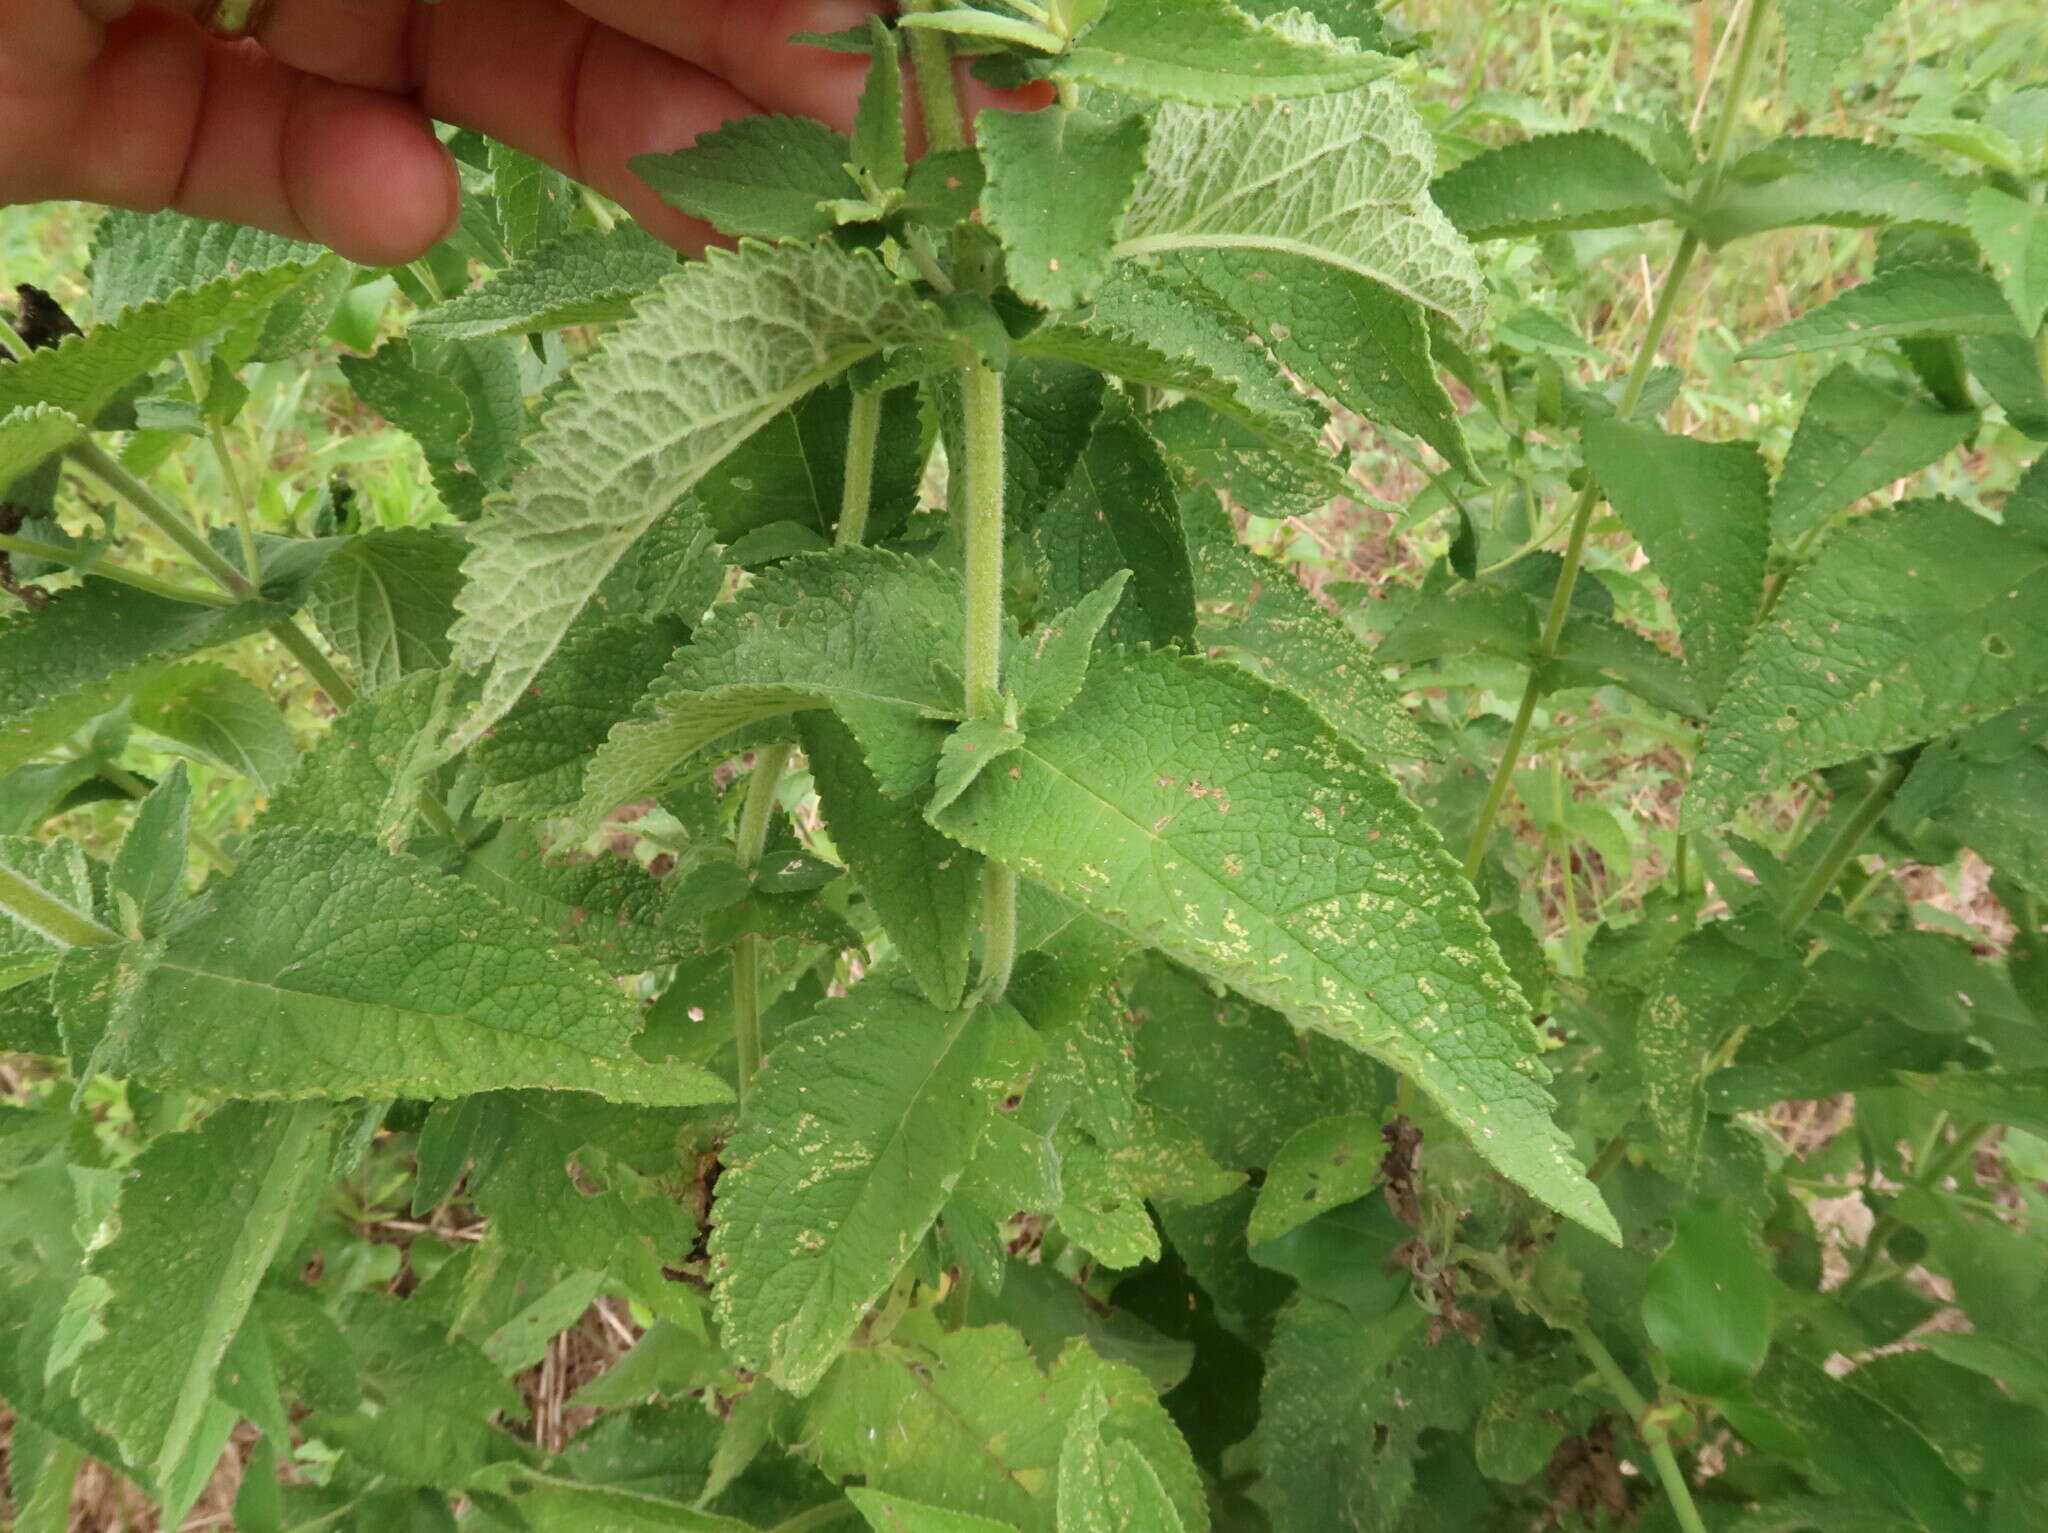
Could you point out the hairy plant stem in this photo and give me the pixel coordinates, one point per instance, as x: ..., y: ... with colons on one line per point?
x: 1806, y: 899
x: 1652, y: 1432
x: 104, y: 467
x: 43, y: 913
x: 757, y: 814
x: 981, y: 512
x: 1631, y: 397
x: 931, y: 61
x: 56, y: 553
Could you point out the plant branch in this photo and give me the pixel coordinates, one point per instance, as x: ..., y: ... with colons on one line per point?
x: 863, y: 435
x: 1647, y: 1427
x: 56, y: 553
x: 103, y: 466
x: 1937, y: 1165
x: 238, y: 500
x: 1806, y: 899
x: 931, y: 62
x: 1631, y: 397
x: 42, y: 912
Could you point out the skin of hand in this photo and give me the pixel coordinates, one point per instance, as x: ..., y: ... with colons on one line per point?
x: 320, y: 127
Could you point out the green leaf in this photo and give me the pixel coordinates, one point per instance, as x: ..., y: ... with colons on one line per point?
x: 1324, y: 1166
x: 1838, y: 181
x: 1821, y: 36
x: 2018, y: 1098
x: 2007, y: 369
x: 854, y: 630
x: 29, y: 436
x: 429, y: 408
x: 323, y: 967
x: 1587, y: 179
x: 1119, y: 512
x: 385, y: 600
x: 1702, y: 512
x: 91, y: 647
x: 196, y: 1225
x: 550, y: 1505
x: 145, y: 258
x: 1207, y: 448
x: 534, y: 758
x: 1930, y: 299
x: 1708, y: 1304
x: 889, y: 1099
x: 1358, y: 341
x: 84, y: 374
x: 877, y: 146
x: 1857, y: 435
x: 2013, y: 234
x: 1058, y: 184
x: 975, y: 1424
x: 1275, y: 857
x: 760, y: 176
x: 736, y: 339
x: 893, y: 1514
x: 149, y: 872
x: 1210, y: 53
x: 57, y: 871
x: 923, y: 888
x: 1254, y: 613
x: 1913, y: 621
x: 1342, y: 179
x: 978, y: 27
x: 586, y: 278
x: 1049, y: 670
x: 363, y: 775
x: 1108, y: 1487
x: 609, y: 906
x: 1712, y: 984
x: 533, y: 200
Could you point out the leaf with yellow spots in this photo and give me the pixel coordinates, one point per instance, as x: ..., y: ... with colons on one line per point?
x: 1222, y: 820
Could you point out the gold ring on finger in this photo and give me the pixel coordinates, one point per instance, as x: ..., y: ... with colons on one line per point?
x: 233, y: 20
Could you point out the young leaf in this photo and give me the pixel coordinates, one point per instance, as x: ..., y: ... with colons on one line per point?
x: 142, y: 258
x: 1702, y: 512
x: 1911, y: 622
x: 324, y: 968
x: 1210, y: 53
x: 812, y: 1226
x: 1343, y: 179
x: 2013, y: 234
x: 1324, y: 1166
x: 1276, y: 858
x: 1821, y: 36
x: 982, y: 1426
x: 1558, y: 181
x: 586, y: 278
x: 93, y: 646
x: 1364, y: 345
x: 533, y: 200
x: 1253, y: 612
x: 609, y: 906
x: 1108, y: 1487
x: 924, y: 889
x: 736, y: 339
x: 86, y: 373
x: 29, y: 436
x: 1058, y: 184
x: 1839, y: 181
x: 1930, y: 299
x: 196, y: 1225
x: 893, y: 1514
x: 149, y: 872
x: 33, y: 935
x: 385, y: 600
x: 759, y: 176
x: 1708, y: 1304
x: 1857, y: 435
x: 1206, y: 448
x: 977, y: 27
x: 431, y: 409
x: 853, y: 630
x: 877, y: 146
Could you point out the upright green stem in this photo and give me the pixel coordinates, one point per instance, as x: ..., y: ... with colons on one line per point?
x: 931, y: 60
x: 42, y: 912
x: 757, y: 814
x: 863, y: 434
x: 11, y: 339
x: 238, y: 500
x: 1631, y: 397
x: 1647, y: 1427
x: 1806, y: 899
x: 981, y: 510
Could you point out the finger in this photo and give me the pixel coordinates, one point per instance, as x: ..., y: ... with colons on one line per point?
x: 162, y: 116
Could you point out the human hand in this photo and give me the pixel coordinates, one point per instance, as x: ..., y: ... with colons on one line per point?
x: 319, y: 127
